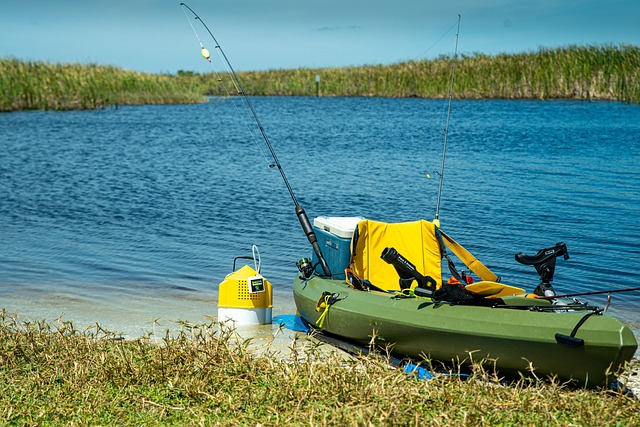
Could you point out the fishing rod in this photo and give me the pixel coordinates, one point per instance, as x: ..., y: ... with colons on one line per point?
x: 300, y: 212
x: 580, y: 294
x: 446, y: 128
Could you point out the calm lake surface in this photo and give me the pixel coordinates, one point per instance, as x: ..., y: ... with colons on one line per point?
x: 131, y: 217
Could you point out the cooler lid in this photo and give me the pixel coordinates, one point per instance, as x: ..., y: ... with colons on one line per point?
x: 341, y: 226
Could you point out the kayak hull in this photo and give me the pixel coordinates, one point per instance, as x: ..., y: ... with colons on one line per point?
x: 515, y: 341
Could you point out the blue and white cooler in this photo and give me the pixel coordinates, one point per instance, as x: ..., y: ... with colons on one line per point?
x: 334, y: 238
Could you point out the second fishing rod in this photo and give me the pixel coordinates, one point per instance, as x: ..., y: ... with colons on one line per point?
x: 300, y: 212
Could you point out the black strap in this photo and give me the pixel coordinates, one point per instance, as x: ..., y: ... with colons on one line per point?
x: 443, y: 253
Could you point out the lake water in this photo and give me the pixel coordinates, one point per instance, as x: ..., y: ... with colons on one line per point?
x: 131, y: 217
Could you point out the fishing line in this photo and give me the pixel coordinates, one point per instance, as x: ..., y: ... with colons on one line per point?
x: 206, y: 55
x: 239, y: 90
x: 579, y: 294
x: 300, y: 212
x: 245, y: 121
x: 438, y: 41
x: 446, y: 128
x: 205, y: 52
x: 443, y: 112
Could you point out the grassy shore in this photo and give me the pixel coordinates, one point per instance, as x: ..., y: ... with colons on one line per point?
x: 607, y: 72
x: 43, y: 86
x: 53, y: 374
x: 575, y: 72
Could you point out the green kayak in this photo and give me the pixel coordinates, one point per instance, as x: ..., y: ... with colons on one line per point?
x: 386, y: 286
x: 517, y: 336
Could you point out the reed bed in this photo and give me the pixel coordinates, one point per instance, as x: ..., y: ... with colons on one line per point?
x: 44, y: 86
x: 54, y: 374
x: 607, y: 72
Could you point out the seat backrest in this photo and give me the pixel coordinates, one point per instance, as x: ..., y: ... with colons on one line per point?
x: 416, y: 241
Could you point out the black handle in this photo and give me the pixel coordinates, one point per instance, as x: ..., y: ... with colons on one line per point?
x: 311, y: 236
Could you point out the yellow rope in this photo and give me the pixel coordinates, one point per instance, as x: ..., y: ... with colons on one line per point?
x: 408, y: 293
x: 326, y: 300
x: 324, y: 314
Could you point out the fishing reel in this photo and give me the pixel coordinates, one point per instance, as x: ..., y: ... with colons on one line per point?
x: 305, y: 266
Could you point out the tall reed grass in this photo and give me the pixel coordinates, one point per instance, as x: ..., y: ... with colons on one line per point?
x: 606, y: 72
x: 43, y: 86
x: 55, y: 374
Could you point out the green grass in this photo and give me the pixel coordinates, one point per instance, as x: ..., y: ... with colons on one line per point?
x: 53, y: 374
x: 603, y: 72
x: 576, y: 72
x: 43, y: 86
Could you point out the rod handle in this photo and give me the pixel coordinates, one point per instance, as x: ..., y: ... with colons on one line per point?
x: 311, y: 236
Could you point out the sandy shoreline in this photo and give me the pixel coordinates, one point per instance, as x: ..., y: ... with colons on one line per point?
x: 633, y: 382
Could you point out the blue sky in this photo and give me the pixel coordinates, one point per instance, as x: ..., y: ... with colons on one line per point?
x: 154, y: 35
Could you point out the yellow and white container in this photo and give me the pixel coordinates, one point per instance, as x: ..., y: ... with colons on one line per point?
x: 245, y: 297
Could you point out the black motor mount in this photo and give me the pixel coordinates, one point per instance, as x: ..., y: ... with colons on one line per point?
x: 545, y: 263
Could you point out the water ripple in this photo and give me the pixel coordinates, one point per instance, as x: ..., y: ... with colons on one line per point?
x: 156, y: 201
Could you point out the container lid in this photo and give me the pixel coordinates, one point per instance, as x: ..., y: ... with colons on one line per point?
x: 341, y: 226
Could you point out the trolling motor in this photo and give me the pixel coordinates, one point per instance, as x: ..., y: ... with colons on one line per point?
x: 408, y: 273
x: 545, y: 263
